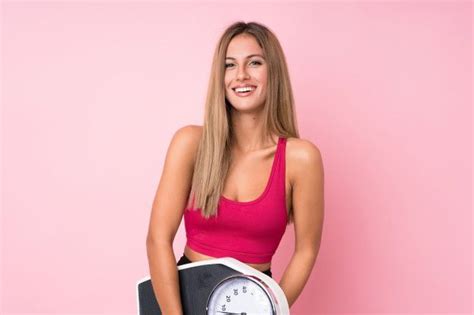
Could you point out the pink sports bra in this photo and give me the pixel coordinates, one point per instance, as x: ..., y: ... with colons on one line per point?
x: 249, y: 231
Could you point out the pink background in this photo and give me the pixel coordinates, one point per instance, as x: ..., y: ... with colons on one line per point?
x: 93, y: 92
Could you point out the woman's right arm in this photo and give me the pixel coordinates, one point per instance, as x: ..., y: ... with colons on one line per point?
x: 166, y: 214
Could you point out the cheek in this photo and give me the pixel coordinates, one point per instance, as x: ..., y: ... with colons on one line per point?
x: 263, y: 80
x: 226, y: 79
x: 263, y: 77
x: 227, y: 85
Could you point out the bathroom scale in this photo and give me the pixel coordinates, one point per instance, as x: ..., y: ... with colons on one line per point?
x: 217, y: 287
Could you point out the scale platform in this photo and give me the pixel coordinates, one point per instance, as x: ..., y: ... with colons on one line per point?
x: 219, y: 286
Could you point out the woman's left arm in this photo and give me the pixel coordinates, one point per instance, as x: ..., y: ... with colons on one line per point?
x: 308, y: 209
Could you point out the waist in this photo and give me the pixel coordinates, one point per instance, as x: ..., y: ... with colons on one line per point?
x: 198, y: 255
x: 185, y: 260
x: 251, y: 252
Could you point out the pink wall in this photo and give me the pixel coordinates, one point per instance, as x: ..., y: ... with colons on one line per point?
x: 92, y: 93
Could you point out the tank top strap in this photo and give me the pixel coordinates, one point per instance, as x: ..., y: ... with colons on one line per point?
x: 279, y: 177
x: 281, y: 163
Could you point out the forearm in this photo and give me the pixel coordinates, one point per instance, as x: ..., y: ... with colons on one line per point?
x: 296, y: 275
x: 164, y: 278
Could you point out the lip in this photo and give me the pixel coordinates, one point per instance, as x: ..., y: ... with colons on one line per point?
x: 243, y: 85
x: 246, y: 93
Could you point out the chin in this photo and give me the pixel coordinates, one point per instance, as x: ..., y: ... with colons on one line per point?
x: 250, y: 108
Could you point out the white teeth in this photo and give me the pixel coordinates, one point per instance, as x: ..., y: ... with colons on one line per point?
x: 245, y: 89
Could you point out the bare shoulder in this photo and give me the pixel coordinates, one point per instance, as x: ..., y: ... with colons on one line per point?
x: 181, y: 153
x: 189, y: 134
x: 187, y: 139
x: 303, y: 157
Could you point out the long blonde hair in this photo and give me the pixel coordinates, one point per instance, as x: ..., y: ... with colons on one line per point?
x: 213, y: 156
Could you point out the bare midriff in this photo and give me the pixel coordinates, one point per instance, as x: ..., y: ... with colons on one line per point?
x: 196, y: 256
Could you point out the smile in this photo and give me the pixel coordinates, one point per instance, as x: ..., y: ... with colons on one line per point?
x: 245, y: 91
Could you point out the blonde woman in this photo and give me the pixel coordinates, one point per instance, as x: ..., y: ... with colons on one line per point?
x: 243, y: 176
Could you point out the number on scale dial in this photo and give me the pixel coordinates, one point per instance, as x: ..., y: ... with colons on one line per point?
x: 241, y: 295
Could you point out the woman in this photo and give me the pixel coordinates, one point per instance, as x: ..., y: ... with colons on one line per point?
x: 243, y: 176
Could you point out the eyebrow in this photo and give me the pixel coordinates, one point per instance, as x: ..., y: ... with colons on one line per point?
x: 249, y: 56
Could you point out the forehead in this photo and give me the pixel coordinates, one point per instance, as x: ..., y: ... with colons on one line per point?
x: 242, y: 45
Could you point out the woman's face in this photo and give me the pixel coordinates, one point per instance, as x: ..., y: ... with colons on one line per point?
x: 245, y: 66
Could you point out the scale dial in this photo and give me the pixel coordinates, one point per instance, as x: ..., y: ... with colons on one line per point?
x: 241, y: 295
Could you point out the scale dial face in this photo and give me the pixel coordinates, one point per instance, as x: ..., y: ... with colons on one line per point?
x: 242, y: 295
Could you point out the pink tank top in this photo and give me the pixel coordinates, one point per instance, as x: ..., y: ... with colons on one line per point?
x: 249, y: 231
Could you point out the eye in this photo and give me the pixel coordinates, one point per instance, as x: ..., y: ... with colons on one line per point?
x: 227, y: 65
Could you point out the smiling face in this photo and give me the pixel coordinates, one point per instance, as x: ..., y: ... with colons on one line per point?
x: 245, y: 66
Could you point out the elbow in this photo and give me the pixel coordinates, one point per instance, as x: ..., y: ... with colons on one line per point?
x: 152, y: 241
x: 310, y: 251
x: 149, y: 239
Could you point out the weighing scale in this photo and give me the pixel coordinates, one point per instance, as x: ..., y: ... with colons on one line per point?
x: 217, y: 287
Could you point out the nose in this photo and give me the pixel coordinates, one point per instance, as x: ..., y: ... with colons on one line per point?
x: 242, y: 74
